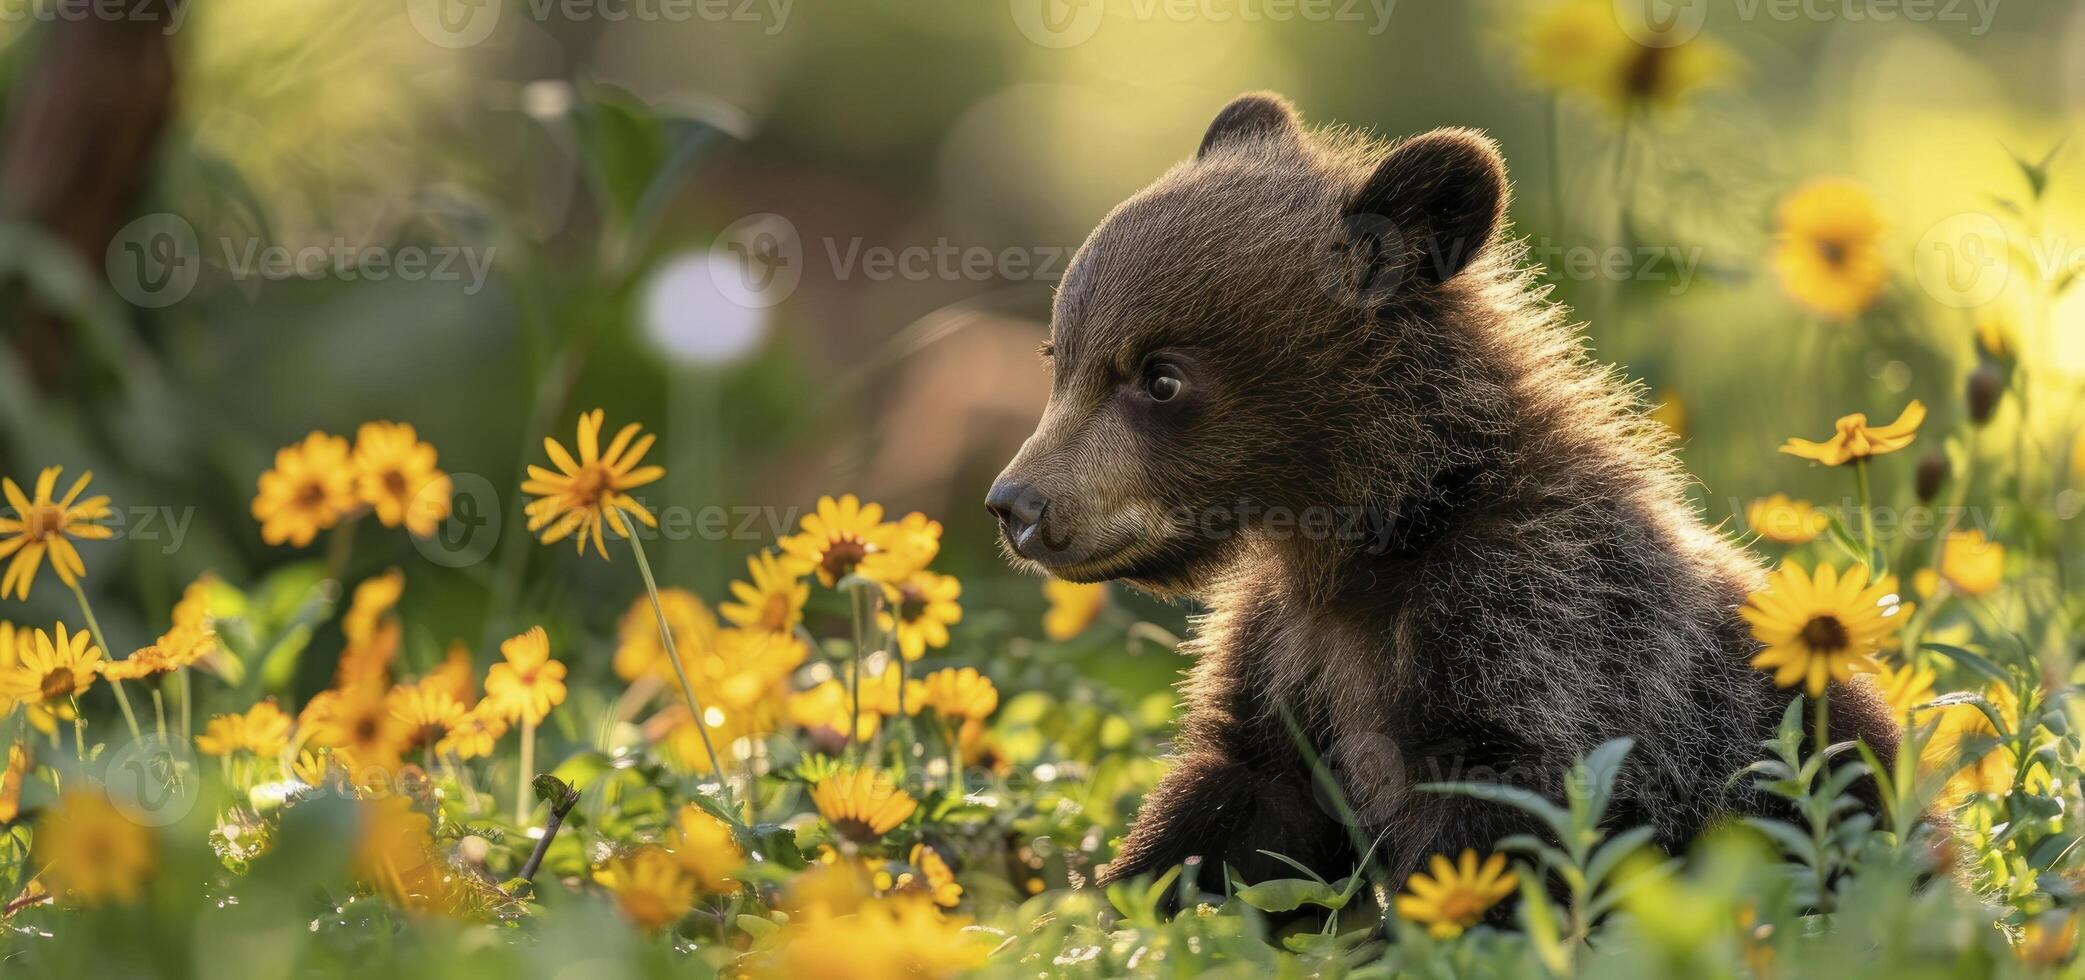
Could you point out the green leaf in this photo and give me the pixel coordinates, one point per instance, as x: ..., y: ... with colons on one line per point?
x: 1555, y: 816
x: 1539, y: 919
x: 1610, y: 854
x: 1289, y: 894
x: 1974, y: 661
x: 1600, y: 767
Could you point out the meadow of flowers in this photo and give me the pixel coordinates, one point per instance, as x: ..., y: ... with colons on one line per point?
x: 845, y: 763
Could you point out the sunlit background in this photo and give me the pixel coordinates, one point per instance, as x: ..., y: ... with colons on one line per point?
x: 813, y: 246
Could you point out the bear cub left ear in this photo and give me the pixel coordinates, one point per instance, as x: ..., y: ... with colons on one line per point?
x: 1432, y: 205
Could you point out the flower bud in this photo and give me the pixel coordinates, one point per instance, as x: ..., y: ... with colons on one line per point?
x: 1932, y: 475
x: 1986, y: 386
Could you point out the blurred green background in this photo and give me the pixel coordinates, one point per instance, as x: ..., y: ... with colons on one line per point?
x: 912, y: 176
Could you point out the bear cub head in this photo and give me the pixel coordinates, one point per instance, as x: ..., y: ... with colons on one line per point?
x: 1262, y: 337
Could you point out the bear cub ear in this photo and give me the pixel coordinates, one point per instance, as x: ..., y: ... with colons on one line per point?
x: 1433, y: 204
x: 1251, y: 118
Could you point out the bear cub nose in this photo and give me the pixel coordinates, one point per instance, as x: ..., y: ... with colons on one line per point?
x: 1020, y: 512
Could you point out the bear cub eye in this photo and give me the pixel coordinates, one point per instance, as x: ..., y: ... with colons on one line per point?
x: 1163, y: 381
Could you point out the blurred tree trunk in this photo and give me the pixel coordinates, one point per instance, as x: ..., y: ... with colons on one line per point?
x: 87, y: 115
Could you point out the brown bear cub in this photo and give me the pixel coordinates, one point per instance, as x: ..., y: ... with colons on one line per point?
x: 1303, y: 381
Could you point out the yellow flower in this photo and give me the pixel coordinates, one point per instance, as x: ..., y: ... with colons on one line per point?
x: 475, y: 733
x: 311, y: 487
x: 2048, y: 939
x: 837, y: 539
x: 592, y: 490
x: 1828, y: 252
x: 1073, y: 607
x: 358, y: 722
x: 142, y: 663
x: 1785, y: 521
x: 903, y: 937
x: 528, y: 683
x: 396, y: 476
x: 650, y: 888
x: 41, y: 525
x: 428, y: 712
x: 49, y: 672
x: 1966, y: 747
x: 1904, y: 689
x: 90, y: 852
x: 1972, y: 565
x: 1856, y: 440
x: 191, y: 640
x: 773, y: 601
x: 263, y: 730
x: 706, y: 850
x: 829, y: 707
x: 455, y: 675
x: 862, y: 804
x: 638, y: 651
x: 11, y: 780
x: 394, y: 853
x: 914, y: 541
x: 1822, y: 629
x: 1457, y: 895
x: 922, y: 608
x: 1578, y: 47
x: 964, y: 694
x: 372, y: 633
x: 934, y: 876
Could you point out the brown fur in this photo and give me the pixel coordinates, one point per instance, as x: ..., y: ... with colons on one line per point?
x: 1511, y: 574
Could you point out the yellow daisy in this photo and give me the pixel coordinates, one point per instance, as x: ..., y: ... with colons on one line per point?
x: 706, y: 849
x: 1785, y: 521
x: 1967, y: 747
x: 1971, y: 564
x: 11, y: 780
x: 90, y: 852
x: 934, y: 877
x: 475, y: 733
x: 960, y: 693
x: 650, y: 888
x: 52, y: 671
x: 357, y: 721
x: 310, y: 489
x: 914, y: 541
x: 835, y: 540
x: 1855, y: 440
x: 1073, y: 607
x: 773, y: 601
x: 1904, y: 689
x: 1578, y: 47
x: 42, y: 526
x: 427, y: 711
x: 592, y: 490
x: 1825, y: 628
x: 395, y: 475
x: 1457, y: 895
x: 862, y: 804
x: 638, y: 651
x: 922, y: 608
x: 826, y: 712
x: 264, y: 731
x: 1828, y: 251
x: 527, y: 684
x: 899, y: 936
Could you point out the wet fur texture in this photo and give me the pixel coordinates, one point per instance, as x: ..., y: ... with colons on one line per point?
x: 1511, y: 573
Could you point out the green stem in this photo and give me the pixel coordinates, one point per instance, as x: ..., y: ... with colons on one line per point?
x: 79, y: 731
x: 1860, y: 479
x: 854, y: 682
x: 651, y: 588
x: 528, y: 764
x: 340, y: 546
x: 159, y: 713
x: 94, y: 627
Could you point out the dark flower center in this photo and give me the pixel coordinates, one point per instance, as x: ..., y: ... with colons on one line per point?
x: 394, y: 483
x: 58, y: 683
x: 1645, y: 73
x: 843, y: 554
x: 1825, y: 634
x: 1833, y: 253
x: 43, y: 521
x: 912, y: 605
x: 311, y: 495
